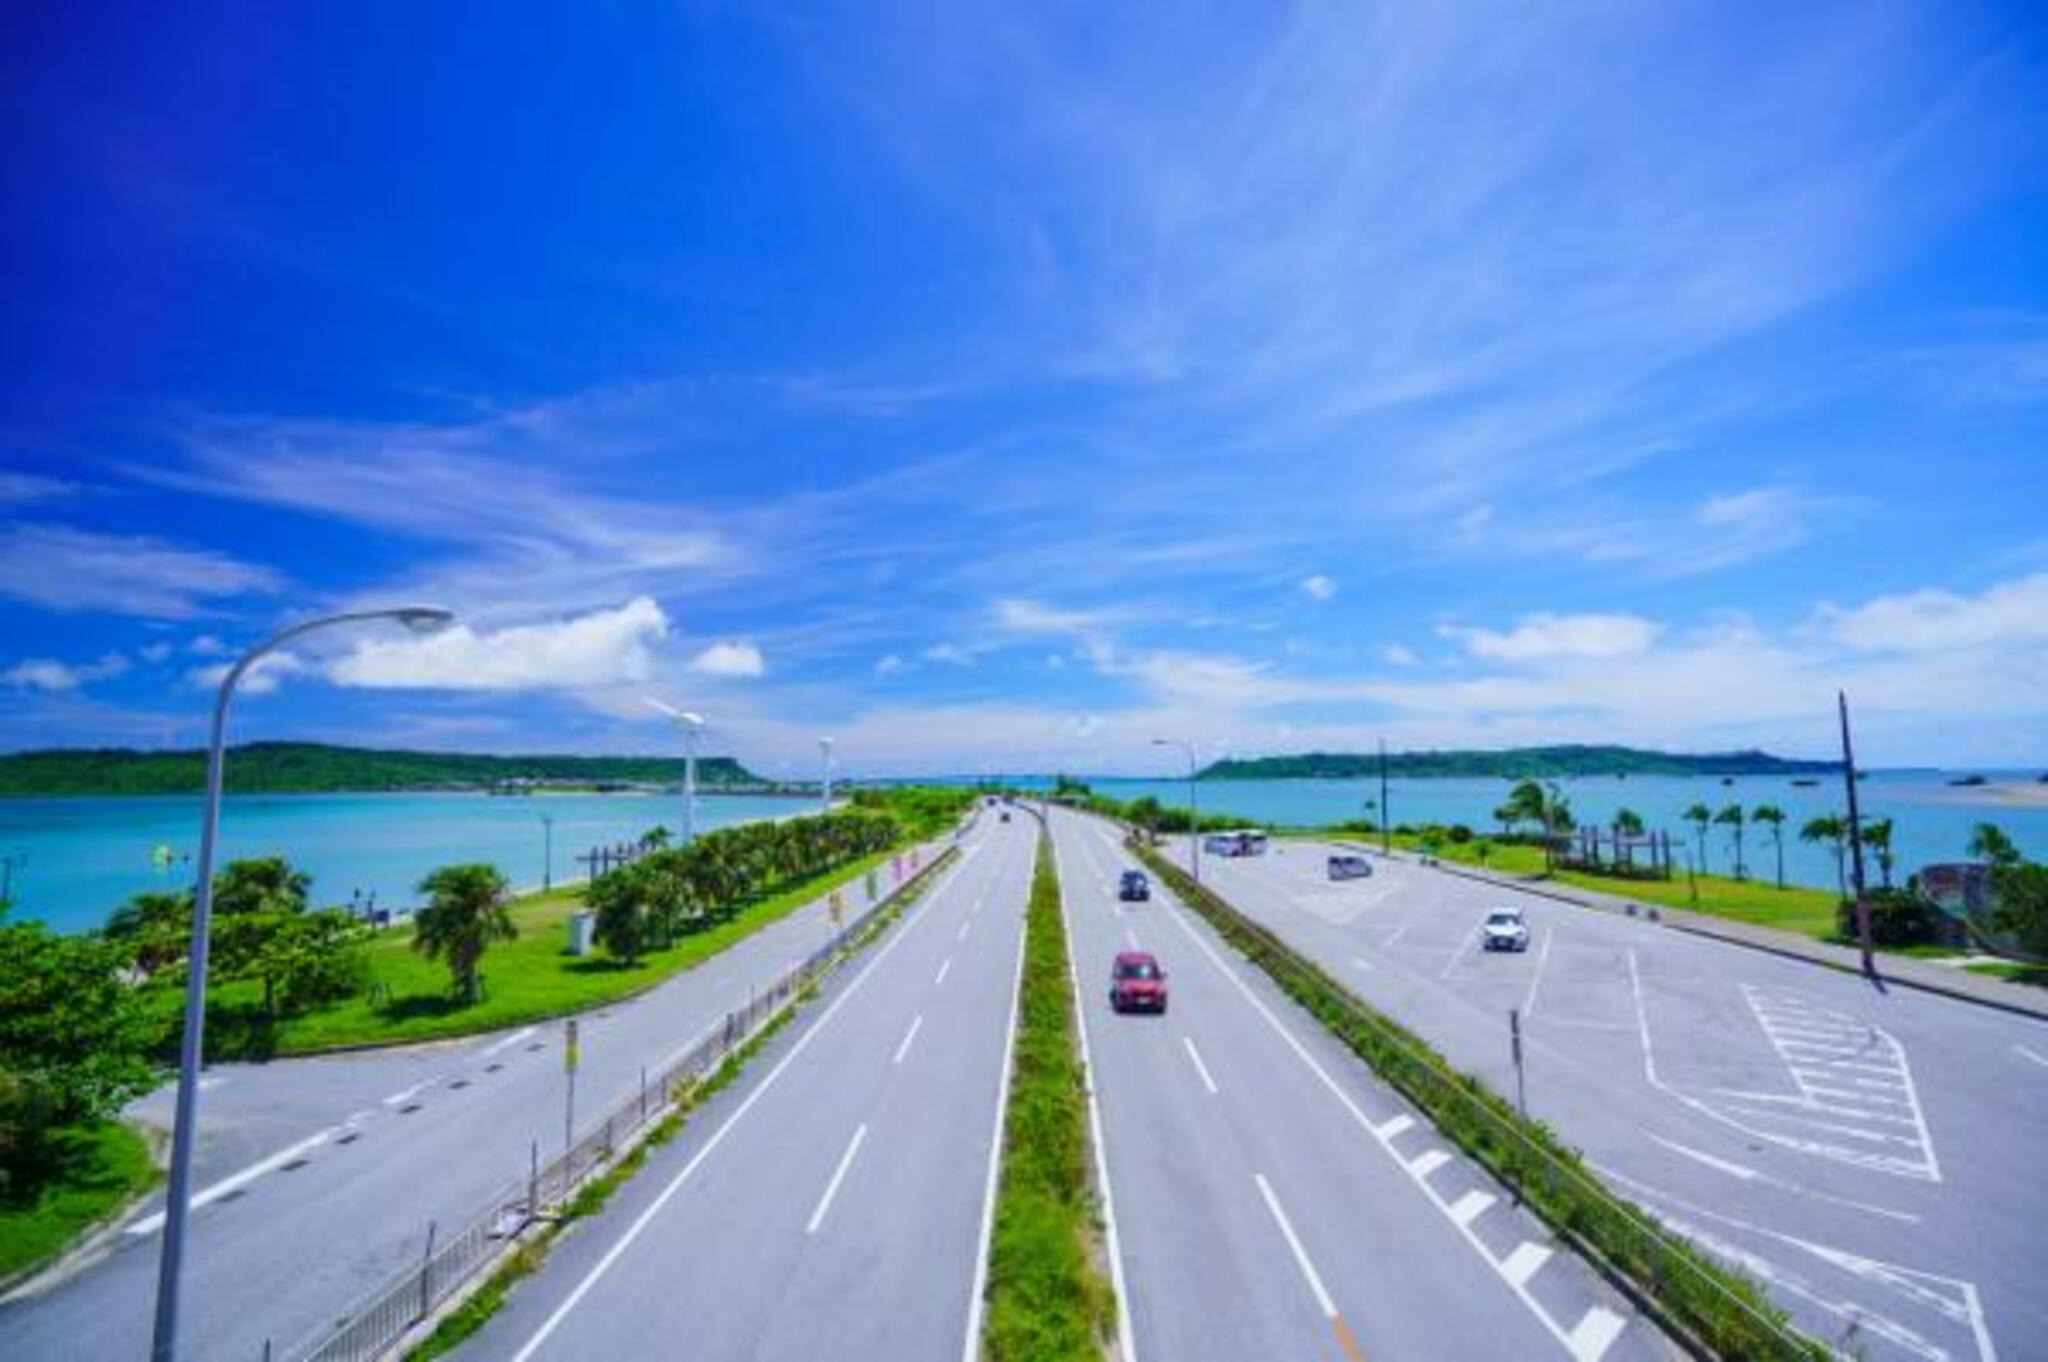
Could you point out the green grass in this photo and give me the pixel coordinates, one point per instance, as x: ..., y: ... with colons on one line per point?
x: 525, y: 980
x: 1046, y: 1300
x: 94, y: 1170
x: 2012, y: 971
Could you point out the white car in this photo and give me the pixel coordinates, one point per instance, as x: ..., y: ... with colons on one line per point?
x: 1504, y: 930
x: 1350, y: 867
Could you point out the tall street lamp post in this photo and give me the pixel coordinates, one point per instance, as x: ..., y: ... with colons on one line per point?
x: 1856, y: 843
x: 1194, y: 811
x: 691, y: 723
x: 825, y: 779
x: 547, y: 855
x: 184, y: 1130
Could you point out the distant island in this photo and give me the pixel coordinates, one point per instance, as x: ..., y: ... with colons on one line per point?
x: 1515, y: 763
x: 319, y: 768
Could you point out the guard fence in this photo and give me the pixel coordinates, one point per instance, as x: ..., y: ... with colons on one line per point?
x: 1710, y: 1310
x: 374, y: 1327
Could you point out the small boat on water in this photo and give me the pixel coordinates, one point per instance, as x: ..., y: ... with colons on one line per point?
x: 1969, y: 782
x: 1806, y: 782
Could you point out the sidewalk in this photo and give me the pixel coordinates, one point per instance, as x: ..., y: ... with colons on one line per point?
x: 1926, y: 975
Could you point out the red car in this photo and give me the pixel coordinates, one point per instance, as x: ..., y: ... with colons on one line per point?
x: 1137, y: 984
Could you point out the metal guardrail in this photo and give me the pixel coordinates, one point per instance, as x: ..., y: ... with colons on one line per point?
x: 379, y: 1321
x: 1667, y: 1273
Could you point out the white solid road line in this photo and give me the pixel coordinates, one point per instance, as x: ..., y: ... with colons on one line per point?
x: 970, y: 1348
x: 689, y: 1170
x: 1301, y: 1259
x: 940, y: 977
x: 838, y: 1176
x: 150, y: 1224
x: 908, y: 1036
x: 1201, y: 1069
x: 2024, y: 1053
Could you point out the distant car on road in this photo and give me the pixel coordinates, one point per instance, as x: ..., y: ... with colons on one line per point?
x: 1134, y: 887
x: 1004, y: 815
x: 1350, y: 866
x: 1137, y: 984
x: 1505, y: 930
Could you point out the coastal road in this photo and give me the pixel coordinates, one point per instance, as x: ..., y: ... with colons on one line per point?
x: 1271, y: 1198
x: 1873, y: 1156
x: 833, y: 1202
x: 317, y: 1179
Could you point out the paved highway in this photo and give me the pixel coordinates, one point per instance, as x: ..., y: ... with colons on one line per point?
x: 318, y: 1178
x: 834, y: 1202
x: 1872, y: 1155
x: 1271, y: 1198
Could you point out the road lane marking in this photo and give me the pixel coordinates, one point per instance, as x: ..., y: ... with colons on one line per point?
x: 1131, y: 938
x: 2024, y: 1053
x: 150, y: 1224
x: 908, y: 1036
x: 689, y: 1170
x: 970, y: 1349
x: 1396, y: 935
x: 1428, y: 1162
x: 1536, y: 981
x: 406, y: 1095
x: 1471, y: 1206
x: 1362, y: 963
x: 940, y: 977
x: 838, y: 1176
x: 1201, y: 1069
x: 1597, y: 1329
x: 505, y: 1044
x: 1521, y: 1265
x: 1464, y: 944
x: 963, y: 928
x: 1388, y: 1129
x: 1736, y: 1170
x: 1112, y: 1243
x: 1301, y: 1259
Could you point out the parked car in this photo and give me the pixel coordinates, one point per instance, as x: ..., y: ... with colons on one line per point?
x: 1350, y: 866
x: 1505, y: 930
x: 1134, y: 887
x: 1137, y: 984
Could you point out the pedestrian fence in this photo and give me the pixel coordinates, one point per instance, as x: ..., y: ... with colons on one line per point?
x: 374, y: 1327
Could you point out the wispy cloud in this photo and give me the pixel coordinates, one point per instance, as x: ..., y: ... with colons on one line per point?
x: 48, y: 674
x: 63, y: 568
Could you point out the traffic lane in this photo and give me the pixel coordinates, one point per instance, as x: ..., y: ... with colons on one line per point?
x: 300, y: 1222
x: 1721, y: 1130
x: 1295, y: 1127
x: 740, y: 1211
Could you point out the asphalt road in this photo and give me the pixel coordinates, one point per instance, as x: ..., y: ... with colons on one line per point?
x: 833, y: 1203
x: 1271, y: 1198
x: 1873, y: 1156
x: 318, y: 1178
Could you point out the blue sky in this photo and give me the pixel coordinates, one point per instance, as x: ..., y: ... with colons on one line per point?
x: 999, y: 386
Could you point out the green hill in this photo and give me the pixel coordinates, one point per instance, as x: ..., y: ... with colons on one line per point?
x: 308, y: 768
x: 1515, y: 763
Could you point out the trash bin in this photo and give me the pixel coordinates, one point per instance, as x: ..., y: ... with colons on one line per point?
x: 581, y: 926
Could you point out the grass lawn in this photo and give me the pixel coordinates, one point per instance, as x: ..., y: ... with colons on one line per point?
x: 2012, y: 971
x: 524, y: 980
x: 99, y: 1168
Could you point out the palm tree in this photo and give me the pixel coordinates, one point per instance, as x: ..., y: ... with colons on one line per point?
x: 1830, y: 829
x: 465, y: 913
x: 1732, y: 817
x: 1699, y: 817
x: 1773, y: 817
x: 1527, y: 803
x: 1877, y: 835
x: 1627, y: 824
x: 1557, y: 821
x: 1989, y: 844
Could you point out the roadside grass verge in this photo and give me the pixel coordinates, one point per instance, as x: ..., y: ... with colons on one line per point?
x: 528, y: 979
x: 1046, y: 1300
x: 458, y: 1324
x: 2012, y: 971
x: 1723, y: 1311
x: 91, y: 1172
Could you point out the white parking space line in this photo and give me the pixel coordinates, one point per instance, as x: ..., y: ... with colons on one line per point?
x: 2024, y: 1053
x: 1393, y: 1126
x: 1471, y: 1206
x: 1301, y: 1258
x: 1428, y: 1162
x: 1464, y: 944
x: 940, y: 977
x: 1596, y: 1330
x: 1519, y: 1266
x: 838, y: 1176
x: 1201, y: 1069
x: 150, y: 1224
x: 908, y: 1036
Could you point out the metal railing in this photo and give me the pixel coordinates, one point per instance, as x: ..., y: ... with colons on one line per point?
x: 381, y: 1320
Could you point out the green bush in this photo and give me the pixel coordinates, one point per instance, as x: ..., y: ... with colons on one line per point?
x: 1898, y: 917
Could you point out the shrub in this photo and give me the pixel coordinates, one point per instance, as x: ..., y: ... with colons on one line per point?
x: 1898, y: 917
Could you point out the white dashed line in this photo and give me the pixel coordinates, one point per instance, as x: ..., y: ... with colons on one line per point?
x: 150, y: 1224
x: 2024, y: 1053
x: 838, y: 1176
x: 908, y: 1036
x: 505, y: 1044
x: 940, y: 977
x: 407, y: 1094
x: 1201, y: 1069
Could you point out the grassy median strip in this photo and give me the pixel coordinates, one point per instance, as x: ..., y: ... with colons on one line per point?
x: 1046, y: 1300
x: 464, y: 1320
x: 1720, y: 1310
x: 88, y: 1173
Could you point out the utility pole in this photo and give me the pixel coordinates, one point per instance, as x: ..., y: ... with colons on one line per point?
x: 1386, y: 821
x: 547, y: 863
x: 1856, y: 843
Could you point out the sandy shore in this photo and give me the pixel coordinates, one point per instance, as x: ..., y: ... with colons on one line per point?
x: 2033, y: 794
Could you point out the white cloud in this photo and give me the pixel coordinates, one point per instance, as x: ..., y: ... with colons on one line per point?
x: 68, y: 569
x: 48, y: 674
x: 1545, y: 635
x: 207, y: 645
x: 1398, y: 655
x: 1030, y: 617
x: 19, y: 488
x: 728, y: 659
x: 888, y: 664
x: 1318, y: 586
x: 155, y: 652
x: 2009, y: 613
x: 599, y: 649
x: 951, y: 654
x: 265, y: 676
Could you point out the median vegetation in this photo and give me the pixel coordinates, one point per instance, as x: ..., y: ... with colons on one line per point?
x: 1723, y: 1311
x: 1047, y: 1301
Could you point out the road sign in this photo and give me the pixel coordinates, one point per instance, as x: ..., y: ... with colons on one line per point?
x: 572, y: 1049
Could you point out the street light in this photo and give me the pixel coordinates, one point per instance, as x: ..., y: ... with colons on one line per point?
x: 547, y: 862
x: 691, y: 723
x: 825, y: 780
x: 1194, y: 813
x: 184, y: 1128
